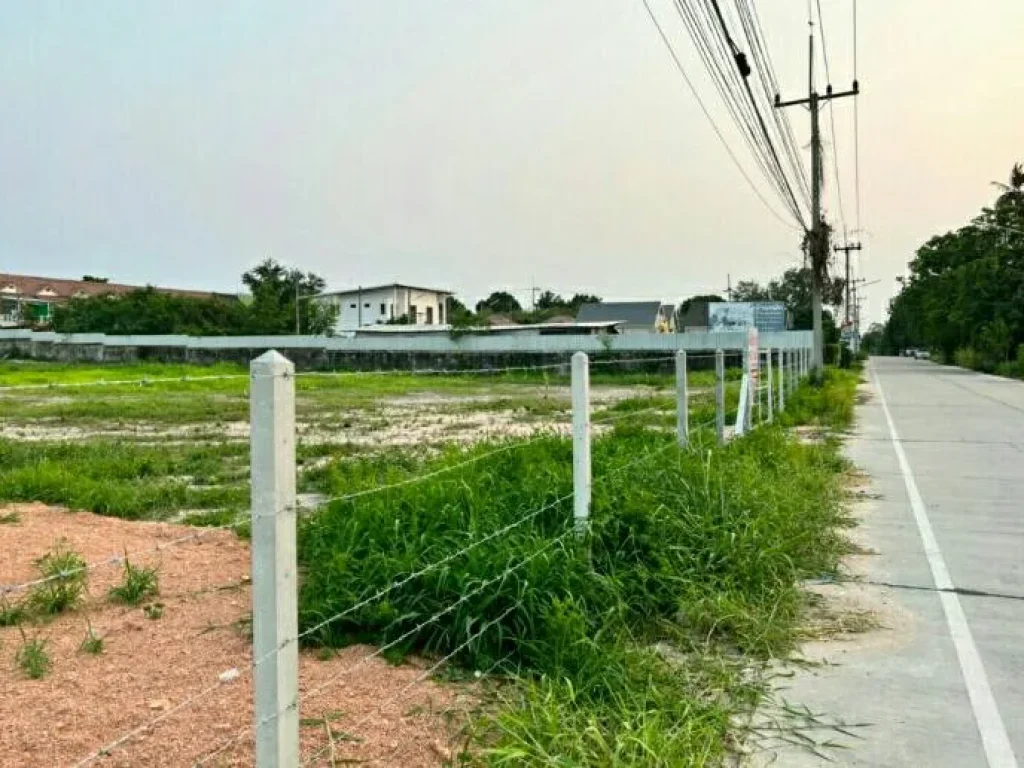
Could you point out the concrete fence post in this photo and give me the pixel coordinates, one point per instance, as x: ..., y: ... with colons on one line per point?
x: 720, y: 395
x: 274, y: 579
x: 581, y: 474
x: 682, y: 400
x: 770, y: 385
x: 781, y: 355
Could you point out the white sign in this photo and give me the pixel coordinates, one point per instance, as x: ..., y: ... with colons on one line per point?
x: 730, y: 316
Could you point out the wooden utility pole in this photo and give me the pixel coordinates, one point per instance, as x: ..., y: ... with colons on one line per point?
x: 817, y: 240
x: 847, y: 287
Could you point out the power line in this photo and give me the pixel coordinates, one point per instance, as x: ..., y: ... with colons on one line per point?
x: 832, y: 121
x: 856, y: 121
x: 725, y: 80
x: 707, y: 114
x: 744, y: 70
x: 730, y: 70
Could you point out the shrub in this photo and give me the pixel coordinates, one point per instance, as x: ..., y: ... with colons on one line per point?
x: 66, y: 573
x: 967, y: 357
x: 33, y: 658
x: 136, y: 584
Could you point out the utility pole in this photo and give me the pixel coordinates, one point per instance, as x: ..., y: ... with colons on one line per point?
x: 847, y: 287
x: 728, y: 287
x: 817, y: 239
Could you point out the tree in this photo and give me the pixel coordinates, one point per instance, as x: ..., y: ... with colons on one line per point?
x: 964, y: 296
x: 708, y: 298
x: 148, y: 311
x: 499, y: 301
x: 275, y: 291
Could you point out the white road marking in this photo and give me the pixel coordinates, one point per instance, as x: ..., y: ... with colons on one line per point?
x: 997, y: 746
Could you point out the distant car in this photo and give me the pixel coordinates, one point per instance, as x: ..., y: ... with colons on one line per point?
x: 924, y: 354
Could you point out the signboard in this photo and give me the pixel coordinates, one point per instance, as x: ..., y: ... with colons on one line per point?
x: 739, y: 315
x: 730, y: 316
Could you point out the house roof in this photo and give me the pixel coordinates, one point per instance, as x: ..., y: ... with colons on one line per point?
x: 31, y: 286
x: 643, y: 313
x: 366, y: 288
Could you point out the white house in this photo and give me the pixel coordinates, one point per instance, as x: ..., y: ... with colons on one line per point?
x: 380, y: 304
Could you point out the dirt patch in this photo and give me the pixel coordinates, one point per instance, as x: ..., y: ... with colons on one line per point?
x: 149, y: 666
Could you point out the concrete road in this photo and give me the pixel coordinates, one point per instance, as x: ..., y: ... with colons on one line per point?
x: 945, y: 686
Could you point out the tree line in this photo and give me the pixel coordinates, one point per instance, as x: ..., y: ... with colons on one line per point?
x: 278, y: 303
x: 964, y: 296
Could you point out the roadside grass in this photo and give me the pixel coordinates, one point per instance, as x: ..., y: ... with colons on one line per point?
x: 698, y: 549
x: 829, y: 404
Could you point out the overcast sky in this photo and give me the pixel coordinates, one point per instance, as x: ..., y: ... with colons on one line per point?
x: 470, y: 144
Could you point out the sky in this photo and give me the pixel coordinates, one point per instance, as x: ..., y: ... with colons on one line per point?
x: 472, y: 144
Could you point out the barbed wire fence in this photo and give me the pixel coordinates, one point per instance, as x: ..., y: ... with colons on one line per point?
x: 275, y: 508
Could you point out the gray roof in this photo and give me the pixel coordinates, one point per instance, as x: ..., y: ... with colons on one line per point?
x: 636, y: 313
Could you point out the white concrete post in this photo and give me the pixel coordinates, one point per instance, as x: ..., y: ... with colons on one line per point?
x: 782, y: 379
x: 720, y: 395
x: 770, y: 390
x: 682, y: 400
x: 274, y: 583
x: 743, y: 412
x: 581, y: 477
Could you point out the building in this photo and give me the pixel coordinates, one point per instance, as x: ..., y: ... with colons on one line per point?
x: 27, y: 300
x: 634, y: 315
x: 572, y: 328
x: 382, y: 304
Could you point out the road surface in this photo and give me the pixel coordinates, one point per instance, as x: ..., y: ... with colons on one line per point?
x: 945, y: 451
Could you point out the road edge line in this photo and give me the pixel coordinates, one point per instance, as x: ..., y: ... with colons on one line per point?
x: 994, y: 739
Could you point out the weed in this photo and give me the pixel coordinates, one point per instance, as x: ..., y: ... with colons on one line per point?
x: 153, y: 611
x: 65, y: 571
x: 92, y: 643
x: 137, y: 583
x: 705, y: 546
x: 12, y: 614
x: 33, y: 658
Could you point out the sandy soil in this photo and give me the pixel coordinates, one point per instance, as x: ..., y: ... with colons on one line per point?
x: 150, y: 666
x: 408, y: 420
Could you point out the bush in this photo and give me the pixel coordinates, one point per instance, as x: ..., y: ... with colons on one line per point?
x: 967, y: 357
x: 136, y: 584
x: 66, y: 572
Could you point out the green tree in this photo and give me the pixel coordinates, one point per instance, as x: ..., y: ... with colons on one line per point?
x: 275, y: 290
x: 964, y: 296
x: 499, y: 301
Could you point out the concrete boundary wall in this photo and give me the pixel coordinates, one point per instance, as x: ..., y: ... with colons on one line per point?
x: 377, y: 351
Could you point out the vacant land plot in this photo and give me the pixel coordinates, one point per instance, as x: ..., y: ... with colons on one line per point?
x: 450, y: 496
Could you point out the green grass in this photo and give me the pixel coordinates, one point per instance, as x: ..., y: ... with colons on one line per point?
x: 12, y: 614
x: 33, y: 658
x: 92, y: 643
x: 829, y: 404
x: 702, y: 549
x: 66, y: 572
x: 137, y: 584
x: 122, y: 479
